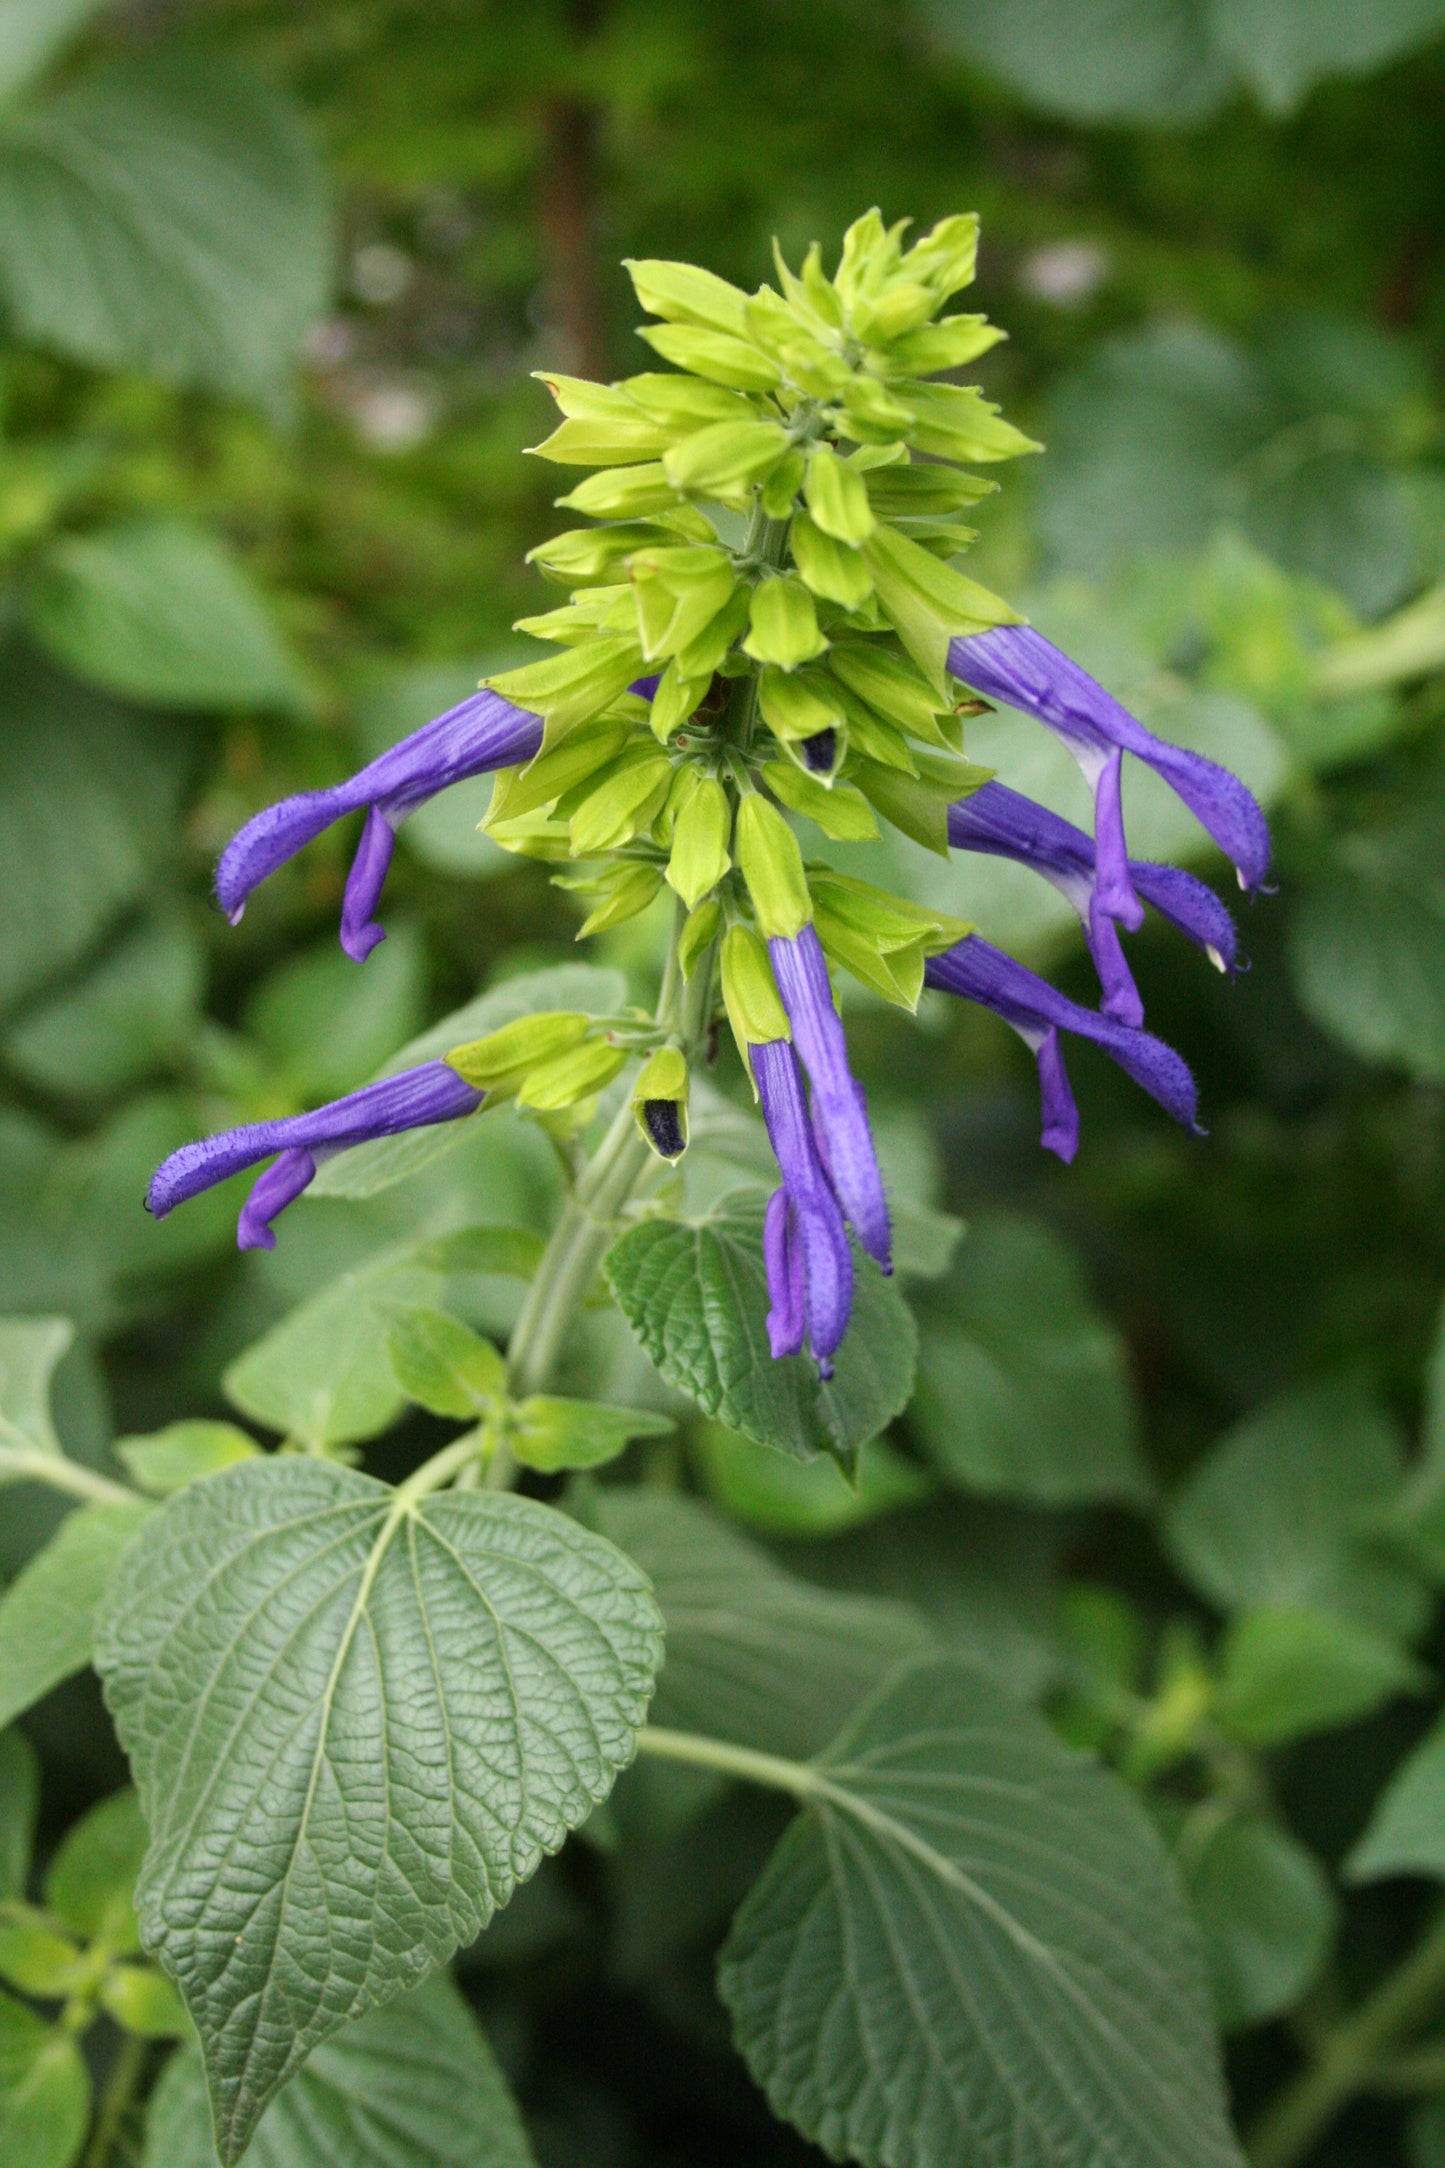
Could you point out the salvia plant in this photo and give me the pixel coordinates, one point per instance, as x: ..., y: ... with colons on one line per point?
x: 359, y: 1715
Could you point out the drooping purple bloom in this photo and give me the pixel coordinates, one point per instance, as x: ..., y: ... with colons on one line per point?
x: 1038, y: 1012
x: 840, y: 1112
x: 1018, y: 666
x: 415, y: 1099
x: 805, y: 1244
x: 483, y: 733
x: 1005, y: 824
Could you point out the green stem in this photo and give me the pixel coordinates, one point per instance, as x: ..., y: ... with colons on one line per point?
x: 121, y: 2088
x: 620, y: 1167
x: 1352, y: 2056
x: 698, y: 1752
x: 65, y: 1475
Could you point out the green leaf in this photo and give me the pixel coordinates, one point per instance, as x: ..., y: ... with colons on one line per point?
x: 754, y: 1654
x: 1367, y: 944
x: 1276, y: 1517
x: 47, y: 1615
x: 972, y: 1946
x: 143, y: 2002
x: 1267, y: 1913
x: 1288, y: 1673
x: 414, y: 2086
x: 158, y: 612
x: 19, y: 1805
x: 1406, y: 1832
x: 1022, y: 1388
x: 1282, y: 47
x: 1092, y: 60
x: 30, y: 1349
x: 182, y: 1453
x: 552, y: 1434
x: 133, y: 1015
x: 443, y: 1365
x: 372, y: 1168
x: 697, y: 1299
x: 32, y: 33
x: 783, y: 1497
x: 165, y: 212
x: 463, y: 1675
x: 44, y: 2091
x: 87, y: 799
x: 90, y: 1883
x: 329, y: 1027
x: 34, y: 1958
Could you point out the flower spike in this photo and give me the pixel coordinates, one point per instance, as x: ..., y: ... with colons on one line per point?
x: 415, y: 1099
x: 1004, y: 824
x: 805, y: 1245
x: 1016, y: 665
x: 483, y: 733
x: 1038, y: 1013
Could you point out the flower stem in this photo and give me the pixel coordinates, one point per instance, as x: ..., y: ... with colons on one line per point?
x: 17, y: 1463
x: 699, y: 1752
x: 1352, y: 2056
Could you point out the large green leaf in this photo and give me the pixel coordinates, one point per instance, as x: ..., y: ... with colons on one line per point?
x: 696, y: 1296
x: 403, y: 1702
x: 87, y: 798
x: 972, y: 1950
x: 1406, y: 1832
x: 1367, y: 943
x: 165, y: 212
x: 1022, y: 1389
x: 1282, y: 47
x: 156, y: 611
x: 1277, y: 1517
x: 414, y: 2086
x: 753, y: 1653
x: 1267, y: 1913
x: 375, y: 1167
x: 132, y: 1015
x: 47, y: 1615
x: 30, y: 1349
x: 1285, y: 1673
x: 1093, y: 60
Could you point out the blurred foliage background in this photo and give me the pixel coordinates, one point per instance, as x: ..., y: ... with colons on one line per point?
x: 273, y: 275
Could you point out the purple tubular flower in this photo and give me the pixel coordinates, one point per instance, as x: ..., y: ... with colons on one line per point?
x: 840, y: 1112
x: 415, y: 1099
x: 1005, y: 824
x: 805, y: 1244
x: 1018, y: 666
x: 1038, y: 1013
x: 483, y: 733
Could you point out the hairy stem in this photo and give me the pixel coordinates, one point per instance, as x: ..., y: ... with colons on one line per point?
x: 1352, y: 2055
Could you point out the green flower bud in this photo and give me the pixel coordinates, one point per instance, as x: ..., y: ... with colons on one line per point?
x: 772, y: 866
x: 812, y: 294
x: 871, y: 414
x: 659, y: 1102
x: 899, y: 491
x: 839, y: 810
x: 955, y: 421
x: 918, y: 804
x: 622, y: 493
x: 784, y: 624
x: 700, y: 838
x: 798, y: 707
x: 873, y: 739
x: 497, y: 1063
x: 699, y: 931
x: 675, y: 699
x: 892, y: 686
x: 832, y: 569
x: 626, y: 799
x: 903, y: 306
x: 568, y: 689
x: 707, y: 652
x: 603, y: 428
x: 571, y: 1077
x: 685, y: 403
x: 726, y: 459
x: 837, y: 498
x: 750, y: 993
x: 686, y: 295
x: 928, y: 603
x: 781, y: 487
x: 596, y: 610
x: 958, y: 339
x: 679, y: 592
x: 623, y: 890
x: 583, y: 554
x: 869, y: 253
x: 881, y: 939
x: 946, y: 257
x: 716, y: 355
x: 534, y: 835
x: 543, y: 780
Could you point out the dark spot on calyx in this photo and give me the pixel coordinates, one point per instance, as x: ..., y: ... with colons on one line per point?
x: 820, y: 752
x: 662, y: 1119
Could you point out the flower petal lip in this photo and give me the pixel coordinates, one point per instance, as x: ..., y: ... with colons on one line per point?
x: 805, y: 1244
x: 415, y: 1099
x: 1039, y: 1012
x: 1018, y: 666
x: 840, y: 1110
x: 482, y: 733
x: 1004, y: 824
